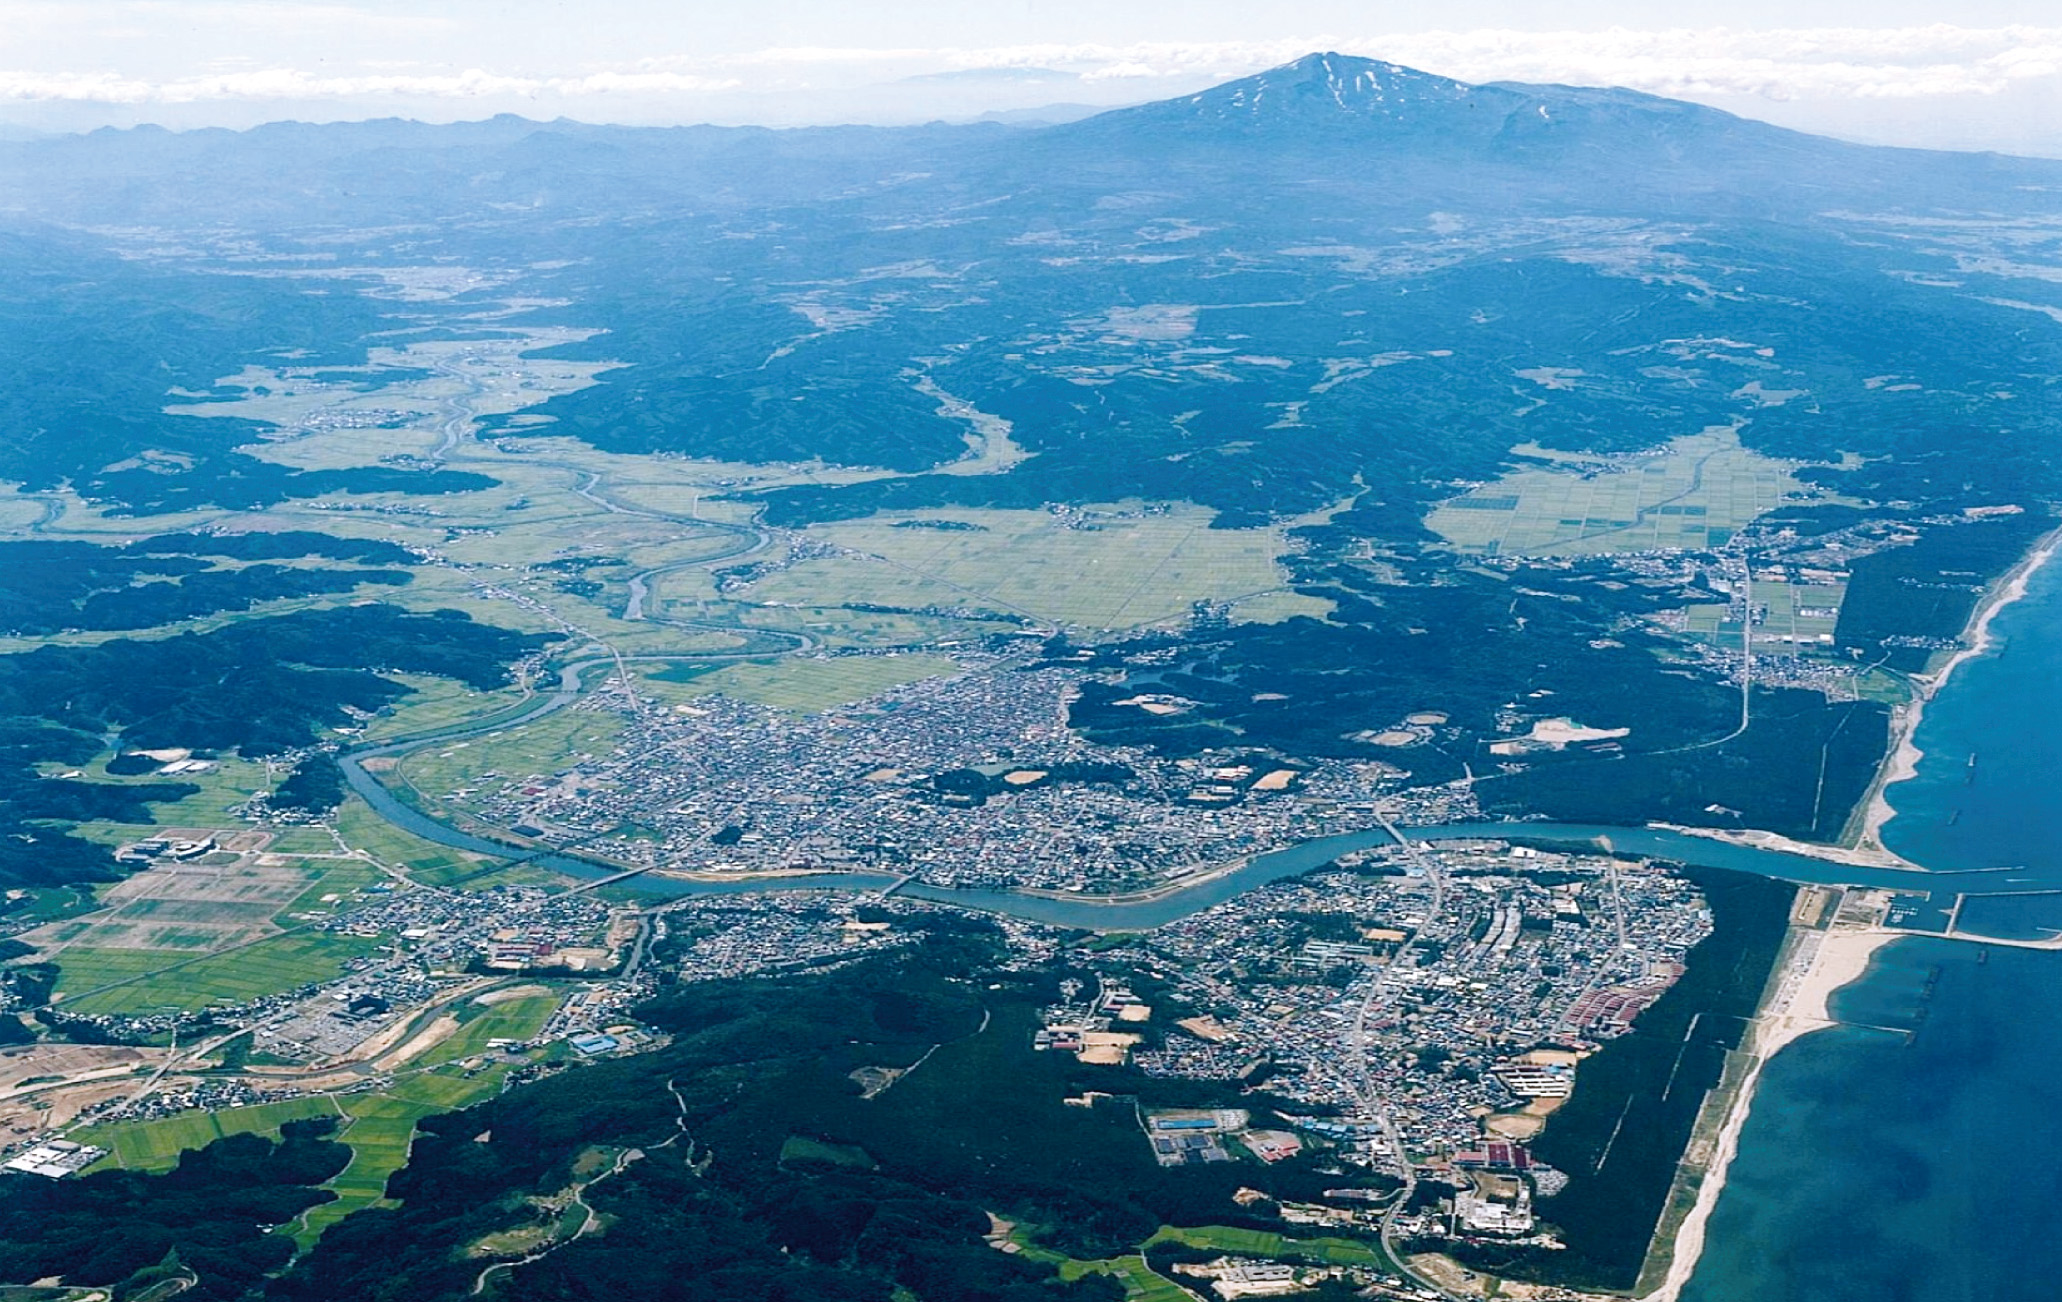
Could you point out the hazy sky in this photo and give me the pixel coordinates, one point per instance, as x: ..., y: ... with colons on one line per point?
x: 1974, y: 74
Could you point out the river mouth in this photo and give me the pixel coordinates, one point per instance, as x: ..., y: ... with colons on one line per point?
x: 1929, y: 897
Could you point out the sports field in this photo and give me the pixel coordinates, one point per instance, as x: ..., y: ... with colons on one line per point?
x: 1095, y: 568
x: 1695, y: 493
x: 806, y: 685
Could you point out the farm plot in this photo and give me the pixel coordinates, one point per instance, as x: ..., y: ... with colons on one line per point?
x: 122, y: 982
x: 805, y: 685
x: 194, y: 906
x: 1695, y: 493
x: 1094, y: 568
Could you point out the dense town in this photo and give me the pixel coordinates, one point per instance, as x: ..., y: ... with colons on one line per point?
x: 973, y: 781
x: 1469, y: 1009
x: 1418, y: 1007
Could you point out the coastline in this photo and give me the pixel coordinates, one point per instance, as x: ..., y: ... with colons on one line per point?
x: 1814, y: 966
x: 1903, y: 761
x: 1756, y: 839
x: 1862, y: 846
x: 1816, y: 963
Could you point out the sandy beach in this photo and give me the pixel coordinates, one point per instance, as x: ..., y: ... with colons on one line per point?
x: 1818, y: 964
x: 1905, y: 754
x: 1864, y: 846
x: 1755, y: 838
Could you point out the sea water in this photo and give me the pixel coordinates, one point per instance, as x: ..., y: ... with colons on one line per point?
x: 1919, y: 1162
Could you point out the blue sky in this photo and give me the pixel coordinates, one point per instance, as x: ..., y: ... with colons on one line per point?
x: 1974, y: 74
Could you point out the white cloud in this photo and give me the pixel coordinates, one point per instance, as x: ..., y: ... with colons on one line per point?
x: 289, y: 84
x: 1779, y: 64
x: 23, y: 19
x: 1853, y: 64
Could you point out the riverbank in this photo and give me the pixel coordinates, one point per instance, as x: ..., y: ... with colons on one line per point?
x: 1152, y: 894
x: 1903, y: 760
x: 1755, y: 839
x: 1797, y: 1001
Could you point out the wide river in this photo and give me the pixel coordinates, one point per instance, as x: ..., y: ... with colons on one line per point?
x: 1878, y: 1167
x: 1180, y: 901
x: 1874, y: 1167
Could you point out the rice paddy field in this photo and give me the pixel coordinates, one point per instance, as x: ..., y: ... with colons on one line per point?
x: 540, y: 749
x: 1799, y: 616
x: 545, y: 746
x: 1140, y: 1282
x: 205, y: 907
x: 228, y: 926
x: 220, y: 790
x: 378, y: 1127
x: 839, y: 627
x: 155, y: 1145
x: 440, y: 703
x: 426, y: 861
x: 1693, y: 494
x: 126, y: 982
x: 302, y: 840
x: 803, y: 684
x: 1107, y: 568
x: 380, y: 1132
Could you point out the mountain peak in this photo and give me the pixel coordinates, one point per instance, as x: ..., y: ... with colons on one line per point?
x: 1330, y: 85
x: 1324, y: 96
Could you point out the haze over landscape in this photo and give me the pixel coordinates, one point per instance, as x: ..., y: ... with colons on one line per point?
x: 1986, y: 75
x: 1064, y: 652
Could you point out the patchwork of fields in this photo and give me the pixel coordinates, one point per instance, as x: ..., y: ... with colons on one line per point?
x: 1099, y: 568
x: 1695, y: 493
x: 804, y: 685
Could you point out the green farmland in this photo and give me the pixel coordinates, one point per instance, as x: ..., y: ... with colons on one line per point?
x: 1330, y: 1250
x: 1693, y: 494
x: 1101, y: 568
x: 802, y: 685
x: 514, y: 1019
x: 378, y: 1127
x: 126, y: 982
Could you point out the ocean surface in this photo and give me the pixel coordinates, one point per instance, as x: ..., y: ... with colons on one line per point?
x: 1919, y: 1163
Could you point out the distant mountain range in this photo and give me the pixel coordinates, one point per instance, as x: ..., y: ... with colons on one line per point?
x: 1556, y: 144
x: 1096, y: 281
